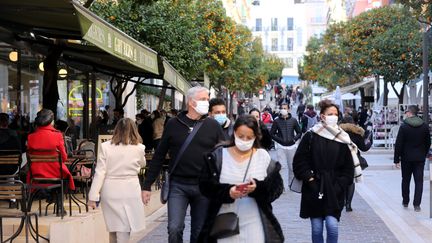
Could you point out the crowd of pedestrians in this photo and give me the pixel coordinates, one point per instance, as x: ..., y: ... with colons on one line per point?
x: 221, y: 168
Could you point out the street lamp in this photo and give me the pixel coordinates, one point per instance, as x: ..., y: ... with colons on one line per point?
x: 13, y: 56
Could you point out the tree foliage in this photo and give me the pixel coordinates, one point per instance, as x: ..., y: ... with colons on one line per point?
x: 381, y: 42
x: 422, y: 9
x: 196, y: 36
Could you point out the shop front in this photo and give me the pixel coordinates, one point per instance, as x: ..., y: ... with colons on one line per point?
x: 87, y: 53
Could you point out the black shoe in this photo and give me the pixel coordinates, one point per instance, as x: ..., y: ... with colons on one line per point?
x: 405, y: 205
x: 348, y: 208
x: 417, y: 208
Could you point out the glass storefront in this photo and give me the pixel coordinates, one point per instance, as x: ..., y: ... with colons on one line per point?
x: 71, y: 88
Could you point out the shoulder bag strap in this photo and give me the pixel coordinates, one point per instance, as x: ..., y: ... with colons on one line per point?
x: 186, y: 144
x: 247, y: 168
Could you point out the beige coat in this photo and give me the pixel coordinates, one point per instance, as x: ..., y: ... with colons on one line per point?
x: 117, y: 186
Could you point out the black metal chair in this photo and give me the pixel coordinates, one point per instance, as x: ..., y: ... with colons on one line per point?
x: 52, y: 184
x: 10, y: 164
x: 15, y: 189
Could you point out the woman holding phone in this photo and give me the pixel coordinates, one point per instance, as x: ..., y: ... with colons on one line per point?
x: 240, y: 178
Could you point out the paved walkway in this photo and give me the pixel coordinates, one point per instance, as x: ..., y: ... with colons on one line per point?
x: 378, y: 215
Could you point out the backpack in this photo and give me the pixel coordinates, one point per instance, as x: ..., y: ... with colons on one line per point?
x: 311, y: 121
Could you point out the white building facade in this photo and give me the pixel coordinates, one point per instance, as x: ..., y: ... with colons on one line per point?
x: 285, y: 28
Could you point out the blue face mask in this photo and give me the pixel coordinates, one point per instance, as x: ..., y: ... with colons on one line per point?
x: 221, y: 118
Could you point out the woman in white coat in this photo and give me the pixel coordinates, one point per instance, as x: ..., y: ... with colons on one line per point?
x: 116, y: 184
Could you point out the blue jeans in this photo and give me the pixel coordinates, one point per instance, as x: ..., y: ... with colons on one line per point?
x: 180, y: 197
x: 331, y: 227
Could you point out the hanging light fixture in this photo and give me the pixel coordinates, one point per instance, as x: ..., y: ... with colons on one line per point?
x: 62, y: 73
x: 13, y: 56
x: 41, y: 66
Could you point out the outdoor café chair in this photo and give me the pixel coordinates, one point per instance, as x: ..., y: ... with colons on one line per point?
x: 15, y: 189
x: 37, y: 184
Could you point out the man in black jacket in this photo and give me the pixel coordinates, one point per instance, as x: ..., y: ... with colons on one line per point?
x: 411, y: 148
x: 184, y: 180
x: 286, y: 131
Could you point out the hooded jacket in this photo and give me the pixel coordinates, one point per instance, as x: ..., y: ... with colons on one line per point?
x: 309, y: 114
x: 412, y: 141
x: 357, y: 135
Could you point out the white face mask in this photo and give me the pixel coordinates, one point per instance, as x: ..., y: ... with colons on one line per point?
x: 202, y: 107
x: 243, y: 145
x: 284, y: 112
x: 331, y: 120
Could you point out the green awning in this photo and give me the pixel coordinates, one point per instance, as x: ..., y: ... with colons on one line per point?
x: 174, y: 78
x: 114, y: 41
x: 87, y: 41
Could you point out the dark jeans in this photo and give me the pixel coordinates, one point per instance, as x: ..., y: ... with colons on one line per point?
x: 180, y: 196
x: 415, y: 169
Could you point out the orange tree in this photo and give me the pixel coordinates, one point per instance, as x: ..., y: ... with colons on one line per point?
x: 329, y: 60
x: 381, y: 42
x: 422, y: 9
x: 387, y: 42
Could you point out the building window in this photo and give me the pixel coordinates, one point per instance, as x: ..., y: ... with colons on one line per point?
x: 274, y: 24
x: 258, y: 24
x: 289, y: 62
x: 290, y: 23
x: 274, y: 46
x: 290, y: 44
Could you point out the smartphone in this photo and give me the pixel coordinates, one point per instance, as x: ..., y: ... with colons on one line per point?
x: 243, y: 187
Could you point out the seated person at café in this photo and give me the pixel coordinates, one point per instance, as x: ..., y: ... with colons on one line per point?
x: 46, y: 137
x: 8, y: 141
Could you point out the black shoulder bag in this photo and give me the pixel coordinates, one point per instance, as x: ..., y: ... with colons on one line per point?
x: 165, y: 185
x: 227, y: 224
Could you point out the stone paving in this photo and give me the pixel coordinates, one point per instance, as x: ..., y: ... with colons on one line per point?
x: 361, y: 225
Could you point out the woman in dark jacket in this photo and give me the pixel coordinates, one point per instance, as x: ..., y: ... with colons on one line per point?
x: 266, y: 140
x: 324, y: 162
x: 357, y: 135
x: 252, y: 204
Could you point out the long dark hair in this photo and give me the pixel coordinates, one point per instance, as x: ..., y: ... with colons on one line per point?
x: 250, y: 122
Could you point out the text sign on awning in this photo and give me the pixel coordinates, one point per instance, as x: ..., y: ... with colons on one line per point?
x: 115, y: 42
x: 174, y: 78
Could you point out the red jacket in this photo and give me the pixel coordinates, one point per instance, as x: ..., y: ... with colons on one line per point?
x: 47, y: 138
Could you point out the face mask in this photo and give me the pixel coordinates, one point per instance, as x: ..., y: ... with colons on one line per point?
x: 243, y: 145
x: 331, y: 120
x: 139, y: 122
x: 201, y: 107
x: 220, y: 118
x: 284, y: 112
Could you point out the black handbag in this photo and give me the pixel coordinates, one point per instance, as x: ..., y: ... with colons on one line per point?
x: 164, y: 194
x: 227, y: 224
x: 363, y: 162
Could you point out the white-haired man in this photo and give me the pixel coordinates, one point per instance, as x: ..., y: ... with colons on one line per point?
x: 184, y: 188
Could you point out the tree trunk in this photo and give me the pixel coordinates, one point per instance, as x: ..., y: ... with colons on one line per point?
x: 162, y: 96
x: 50, y: 95
x: 231, y: 100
